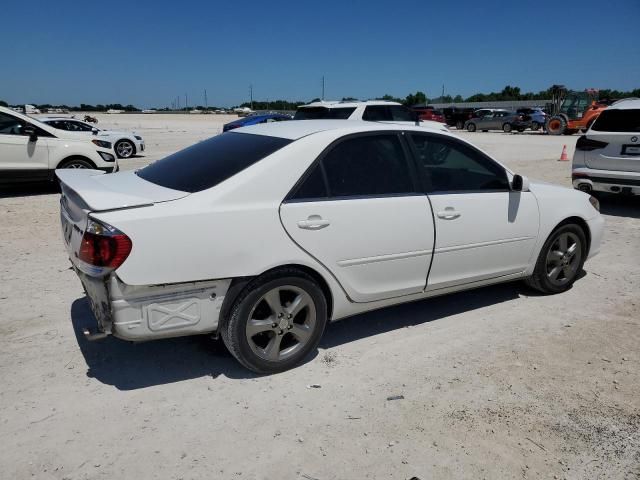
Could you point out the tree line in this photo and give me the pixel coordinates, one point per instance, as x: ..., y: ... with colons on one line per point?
x: 508, y: 93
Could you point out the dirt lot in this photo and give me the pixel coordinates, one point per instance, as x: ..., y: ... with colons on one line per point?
x: 496, y: 383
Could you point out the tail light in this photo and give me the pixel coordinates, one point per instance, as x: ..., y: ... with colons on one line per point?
x: 104, y: 246
x: 586, y: 144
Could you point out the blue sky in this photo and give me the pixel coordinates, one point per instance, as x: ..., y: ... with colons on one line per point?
x: 148, y: 52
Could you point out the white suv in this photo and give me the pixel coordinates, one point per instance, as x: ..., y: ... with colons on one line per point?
x: 31, y: 151
x: 607, y: 158
x: 125, y: 144
x: 371, y: 110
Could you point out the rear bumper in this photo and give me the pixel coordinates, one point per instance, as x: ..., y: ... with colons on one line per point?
x: 606, y: 181
x: 141, y: 313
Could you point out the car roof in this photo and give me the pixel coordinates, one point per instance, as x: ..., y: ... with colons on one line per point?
x: 301, y: 128
x: 48, y: 118
x: 343, y: 104
x: 625, y: 104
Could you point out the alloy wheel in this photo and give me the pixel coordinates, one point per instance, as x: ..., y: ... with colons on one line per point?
x: 124, y: 149
x: 563, y: 258
x: 281, y: 323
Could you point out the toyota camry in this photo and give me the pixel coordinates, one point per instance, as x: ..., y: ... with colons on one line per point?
x: 265, y: 233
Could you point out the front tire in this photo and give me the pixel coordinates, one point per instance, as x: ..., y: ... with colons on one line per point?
x: 124, y: 149
x: 276, y: 321
x: 535, y: 126
x: 506, y: 128
x: 560, y: 261
x: 76, y: 163
x: 459, y: 125
x: 471, y: 127
x: 556, y: 125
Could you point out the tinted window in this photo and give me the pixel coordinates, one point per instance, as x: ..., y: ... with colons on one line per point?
x: 618, y: 121
x: 369, y: 165
x: 324, y: 113
x: 210, y: 162
x: 78, y: 127
x: 387, y: 113
x: 449, y: 166
x: 312, y: 186
x: 10, y: 125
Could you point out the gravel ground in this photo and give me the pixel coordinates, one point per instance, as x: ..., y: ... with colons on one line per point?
x: 497, y: 382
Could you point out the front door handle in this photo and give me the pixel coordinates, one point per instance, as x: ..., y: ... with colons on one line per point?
x: 314, y: 222
x: 449, y: 214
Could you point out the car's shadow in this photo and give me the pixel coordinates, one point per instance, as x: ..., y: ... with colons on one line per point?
x: 129, y: 366
x: 29, y: 189
x: 619, y: 205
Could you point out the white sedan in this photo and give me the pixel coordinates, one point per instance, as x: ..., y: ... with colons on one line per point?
x: 265, y: 233
x: 125, y: 144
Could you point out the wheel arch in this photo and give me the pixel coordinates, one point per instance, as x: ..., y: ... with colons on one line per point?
x: 238, y: 284
x: 75, y: 157
x: 581, y: 223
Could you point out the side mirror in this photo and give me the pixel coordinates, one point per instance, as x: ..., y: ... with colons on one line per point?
x: 94, y: 131
x: 31, y: 131
x: 520, y: 183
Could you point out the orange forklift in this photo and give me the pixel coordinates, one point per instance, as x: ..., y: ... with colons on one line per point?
x: 570, y: 111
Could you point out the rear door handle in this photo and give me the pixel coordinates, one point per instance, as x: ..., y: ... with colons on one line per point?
x: 449, y: 214
x: 314, y: 222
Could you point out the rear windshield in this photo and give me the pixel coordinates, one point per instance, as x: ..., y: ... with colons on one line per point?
x: 618, y: 121
x: 211, y: 162
x: 323, y: 113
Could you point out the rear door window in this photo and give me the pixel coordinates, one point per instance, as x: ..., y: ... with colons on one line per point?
x: 211, y: 162
x: 370, y: 165
x: 618, y: 121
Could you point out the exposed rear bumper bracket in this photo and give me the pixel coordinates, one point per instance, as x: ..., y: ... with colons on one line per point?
x: 93, y: 336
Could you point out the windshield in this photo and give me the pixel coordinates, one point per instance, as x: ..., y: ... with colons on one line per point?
x: 323, y: 113
x: 211, y: 162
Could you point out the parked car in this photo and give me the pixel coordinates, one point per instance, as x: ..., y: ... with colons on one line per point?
x: 31, y: 150
x: 489, y: 119
x: 607, y: 157
x: 456, y: 117
x: 429, y: 113
x: 371, y: 110
x: 241, y: 235
x: 536, y: 115
x: 125, y: 144
x: 255, y: 120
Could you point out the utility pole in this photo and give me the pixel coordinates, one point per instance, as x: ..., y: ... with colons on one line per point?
x: 442, y: 97
x: 251, y: 95
x: 206, y: 105
x: 322, y: 97
x: 186, y: 101
x: 178, y: 99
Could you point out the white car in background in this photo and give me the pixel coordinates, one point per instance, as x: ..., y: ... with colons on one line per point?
x: 265, y: 233
x: 607, y: 157
x: 125, y: 144
x: 31, y: 150
x: 371, y: 110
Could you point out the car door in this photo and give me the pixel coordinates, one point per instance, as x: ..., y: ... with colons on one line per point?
x: 358, y: 212
x: 484, y: 121
x: 21, y: 157
x: 483, y: 229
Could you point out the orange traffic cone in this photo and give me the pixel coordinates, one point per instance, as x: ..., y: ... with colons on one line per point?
x: 563, y: 157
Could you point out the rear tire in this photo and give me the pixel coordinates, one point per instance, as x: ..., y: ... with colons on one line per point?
x: 560, y: 261
x: 459, y: 125
x: 276, y: 321
x: 471, y: 127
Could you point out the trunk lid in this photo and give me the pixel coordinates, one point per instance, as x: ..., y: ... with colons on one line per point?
x: 622, y: 152
x: 87, y: 191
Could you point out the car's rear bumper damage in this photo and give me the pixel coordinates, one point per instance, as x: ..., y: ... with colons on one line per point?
x: 140, y: 313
